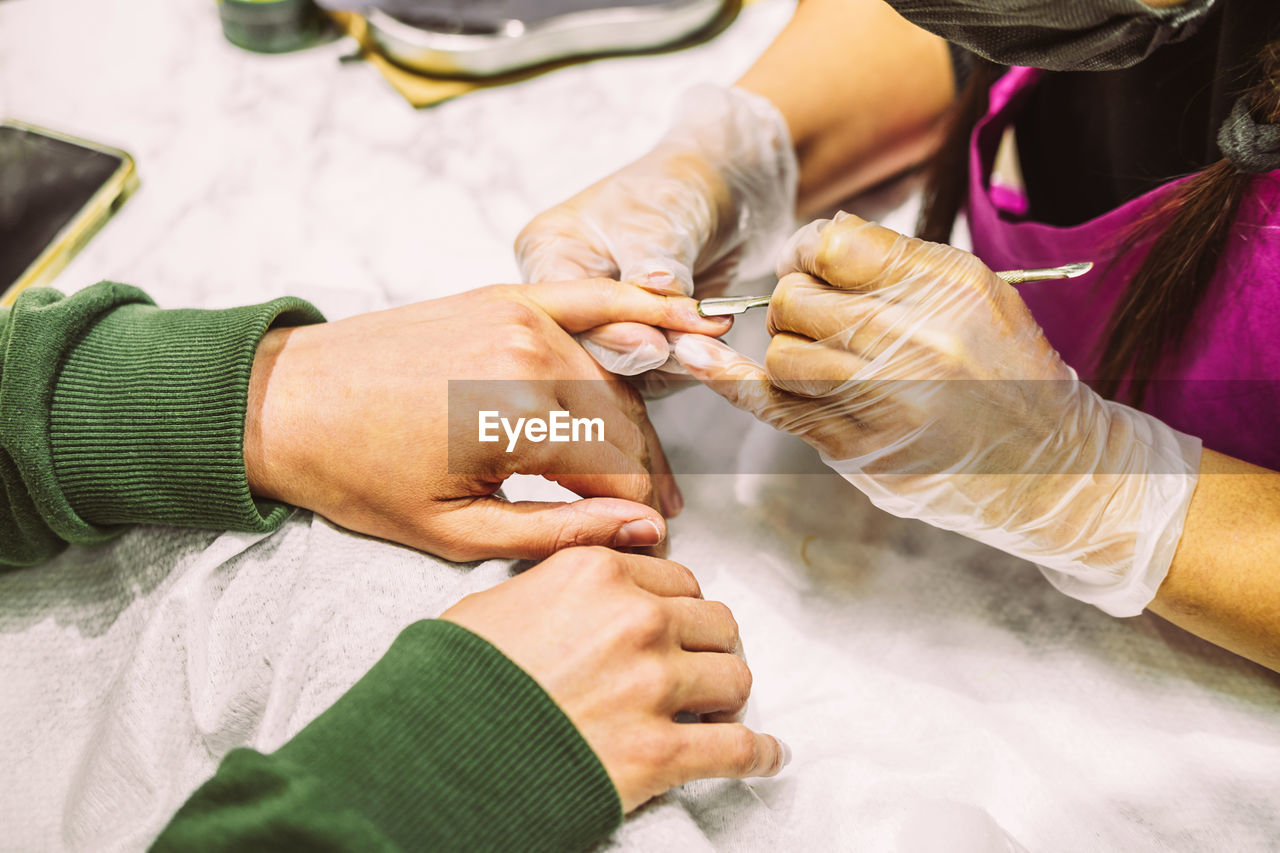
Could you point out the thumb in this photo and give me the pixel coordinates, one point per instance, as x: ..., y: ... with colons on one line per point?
x: 489, y: 527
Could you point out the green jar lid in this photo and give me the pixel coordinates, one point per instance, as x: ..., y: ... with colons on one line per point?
x: 270, y: 26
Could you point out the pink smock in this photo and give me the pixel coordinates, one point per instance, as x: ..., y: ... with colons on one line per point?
x: 1223, y: 383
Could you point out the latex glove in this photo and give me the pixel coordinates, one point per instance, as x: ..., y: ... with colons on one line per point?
x: 356, y: 420
x: 923, y: 380
x: 623, y: 643
x: 716, y: 193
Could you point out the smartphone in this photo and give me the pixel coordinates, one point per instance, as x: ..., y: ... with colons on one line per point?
x: 56, y: 191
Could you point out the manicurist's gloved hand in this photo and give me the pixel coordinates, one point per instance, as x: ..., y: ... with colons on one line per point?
x: 923, y: 380
x: 716, y: 192
x: 351, y: 419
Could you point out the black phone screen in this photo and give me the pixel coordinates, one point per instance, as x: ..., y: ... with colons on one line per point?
x: 44, y: 182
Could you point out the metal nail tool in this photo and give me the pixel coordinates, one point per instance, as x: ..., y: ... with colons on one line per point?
x: 721, y: 306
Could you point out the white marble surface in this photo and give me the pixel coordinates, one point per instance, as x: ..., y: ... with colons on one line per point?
x: 904, y: 666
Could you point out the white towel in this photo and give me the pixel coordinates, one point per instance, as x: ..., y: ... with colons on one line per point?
x: 905, y: 667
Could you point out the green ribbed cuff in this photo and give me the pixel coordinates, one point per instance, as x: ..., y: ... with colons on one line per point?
x: 447, y: 745
x: 146, y: 422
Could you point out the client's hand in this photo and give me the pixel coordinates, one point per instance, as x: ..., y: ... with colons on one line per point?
x: 350, y: 419
x: 623, y: 643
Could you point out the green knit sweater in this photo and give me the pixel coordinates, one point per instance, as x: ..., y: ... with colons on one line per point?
x: 113, y: 412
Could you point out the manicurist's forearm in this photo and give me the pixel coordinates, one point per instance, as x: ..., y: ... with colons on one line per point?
x: 1224, y: 583
x: 863, y: 91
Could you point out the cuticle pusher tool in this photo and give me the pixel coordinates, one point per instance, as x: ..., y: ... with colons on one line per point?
x: 721, y: 306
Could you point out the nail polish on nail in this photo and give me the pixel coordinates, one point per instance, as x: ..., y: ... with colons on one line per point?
x: 638, y: 534
x: 786, y: 753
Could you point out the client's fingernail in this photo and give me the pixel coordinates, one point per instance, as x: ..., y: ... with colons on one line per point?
x: 638, y: 534
x: 693, y: 351
x: 786, y: 752
x: 841, y: 215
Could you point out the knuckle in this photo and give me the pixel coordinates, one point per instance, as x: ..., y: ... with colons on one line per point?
x: 834, y: 243
x: 511, y: 310
x: 743, y: 681
x: 652, y: 684
x: 580, y: 561
x: 598, y: 294
x: 787, y: 300
x: 569, y: 533
x: 657, y: 751
x: 601, y: 561
x: 777, y: 359
x: 551, y: 226
x: 599, y: 567
x: 785, y: 292
x: 695, y: 588
x: 526, y: 348
x: 721, y: 613
x: 646, y: 623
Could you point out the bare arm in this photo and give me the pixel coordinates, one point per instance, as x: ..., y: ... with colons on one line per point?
x: 863, y: 92
x: 1224, y: 584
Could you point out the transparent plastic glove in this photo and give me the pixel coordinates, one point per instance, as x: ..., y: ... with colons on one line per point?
x: 923, y: 380
x: 716, y: 193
